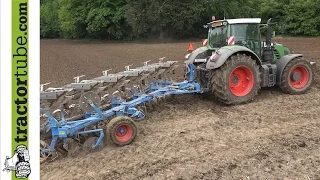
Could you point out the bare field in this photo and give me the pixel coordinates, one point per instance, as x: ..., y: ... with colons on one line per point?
x: 277, y: 136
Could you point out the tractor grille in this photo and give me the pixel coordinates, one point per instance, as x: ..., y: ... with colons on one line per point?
x: 276, y: 53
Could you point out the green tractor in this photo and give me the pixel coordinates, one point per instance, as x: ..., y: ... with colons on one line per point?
x: 236, y: 62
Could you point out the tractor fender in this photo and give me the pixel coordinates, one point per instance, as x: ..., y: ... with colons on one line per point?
x: 227, y: 51
x: 282, y: 63
x: 198, y: 55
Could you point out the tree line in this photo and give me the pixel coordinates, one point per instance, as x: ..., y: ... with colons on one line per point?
x: 131, y: 19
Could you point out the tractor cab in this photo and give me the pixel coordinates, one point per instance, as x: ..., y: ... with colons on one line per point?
x: 245, y: 32
x: 242, y: 32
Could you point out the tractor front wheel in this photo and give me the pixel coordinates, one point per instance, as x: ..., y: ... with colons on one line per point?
x: 237, y: 81
x: 297, y: 77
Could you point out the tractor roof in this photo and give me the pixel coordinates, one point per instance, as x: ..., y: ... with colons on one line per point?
x: 238, y: 21
x: 244, y: 20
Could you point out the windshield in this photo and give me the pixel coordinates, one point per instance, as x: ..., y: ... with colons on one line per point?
x: 244, y: 32
x: 247, y: 35
x: 217, y: 37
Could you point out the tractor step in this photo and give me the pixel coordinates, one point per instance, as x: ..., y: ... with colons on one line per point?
x: 268, y: 53
x: 269, y: 75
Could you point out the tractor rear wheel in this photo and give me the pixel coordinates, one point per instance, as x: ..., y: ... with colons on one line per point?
x: 297, y: 76
x: 237, y: 81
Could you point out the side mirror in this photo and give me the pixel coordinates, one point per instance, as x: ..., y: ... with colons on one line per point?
x: 269, y: 21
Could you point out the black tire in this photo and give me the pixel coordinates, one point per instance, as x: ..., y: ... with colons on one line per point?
x: 23, y: 169
x: 220, y: 80
x: 289, y: 85
x: 126, y: 122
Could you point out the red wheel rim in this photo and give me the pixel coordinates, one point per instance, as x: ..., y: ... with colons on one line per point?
x: 123, y: 133
x: 299, y: 77
x: 241, y: 81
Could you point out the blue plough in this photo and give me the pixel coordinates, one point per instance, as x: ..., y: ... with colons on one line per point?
x: 121, y: 111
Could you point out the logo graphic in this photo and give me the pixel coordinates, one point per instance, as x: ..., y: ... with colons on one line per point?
x: 19, y: 162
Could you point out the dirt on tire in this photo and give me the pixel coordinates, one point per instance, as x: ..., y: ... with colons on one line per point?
x: 276, y: 136
x: 220, y: 80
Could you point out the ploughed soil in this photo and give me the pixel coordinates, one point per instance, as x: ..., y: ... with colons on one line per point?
x: 277, y: 136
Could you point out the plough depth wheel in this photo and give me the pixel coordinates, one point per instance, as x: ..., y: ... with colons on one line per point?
x: 122, y: 130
